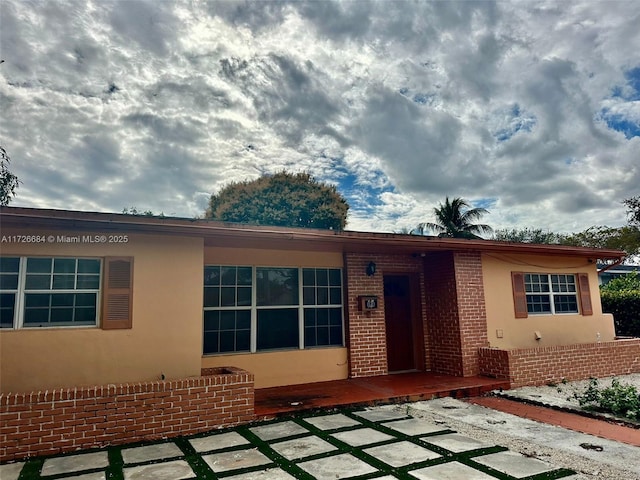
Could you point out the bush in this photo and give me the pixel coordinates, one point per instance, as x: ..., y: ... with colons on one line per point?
x: 625, y: 307
x: 621, y: 297
x: 620, y: 399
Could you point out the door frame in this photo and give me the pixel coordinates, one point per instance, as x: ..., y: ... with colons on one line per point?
x: 419, y: 361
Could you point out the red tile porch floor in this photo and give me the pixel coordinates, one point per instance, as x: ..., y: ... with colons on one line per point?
x: 401, y: 387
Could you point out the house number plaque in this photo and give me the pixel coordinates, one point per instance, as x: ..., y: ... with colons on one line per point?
x: 367, y: 302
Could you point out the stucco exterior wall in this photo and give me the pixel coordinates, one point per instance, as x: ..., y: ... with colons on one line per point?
x: 506, y: 331
x: 166, y: 338
x: 285, y: 367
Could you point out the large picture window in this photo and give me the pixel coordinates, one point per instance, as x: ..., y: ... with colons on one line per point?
x: 271, y: 308
x: 49, y: 291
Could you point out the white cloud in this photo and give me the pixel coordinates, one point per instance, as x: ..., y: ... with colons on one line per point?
x: 158, y: 104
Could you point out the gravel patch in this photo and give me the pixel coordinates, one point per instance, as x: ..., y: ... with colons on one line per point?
x: 562, y: 396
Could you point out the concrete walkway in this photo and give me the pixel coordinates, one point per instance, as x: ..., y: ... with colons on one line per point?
x: 381, y: 442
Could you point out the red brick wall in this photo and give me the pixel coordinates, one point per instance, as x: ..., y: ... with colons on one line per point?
x: 541, y: 366
x: 366, y: 332
x: 442, y: 312
x: 57, y: 421
x: 456, y: 311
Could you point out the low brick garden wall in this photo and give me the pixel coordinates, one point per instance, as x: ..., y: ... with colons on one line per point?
x: 545, y: 365
x: 65, y: 420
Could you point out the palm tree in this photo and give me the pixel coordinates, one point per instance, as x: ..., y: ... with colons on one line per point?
x: 454, y: 219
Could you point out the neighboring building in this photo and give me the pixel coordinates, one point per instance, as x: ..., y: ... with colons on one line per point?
x: 92, y: 298
x: 119, y: 328
x: 608, y: 274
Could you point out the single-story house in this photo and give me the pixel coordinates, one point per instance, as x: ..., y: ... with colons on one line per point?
x: 617, y: 271
x: 112, y: 300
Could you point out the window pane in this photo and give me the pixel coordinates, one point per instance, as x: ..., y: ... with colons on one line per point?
x: 9, y: 264
x: 64, y: 282
x: 335, y: 336
x: 86, y: 299
x: 244, y: 276
x: 335, y: 317
x: 309, y: 277
x: 244, y: 296
x: 38, y: 282
x: 85, y: 315
x: 7, y: 309
x: 322, y: 336
x: 243, y: 319
x: 212, y: 275
x: 228, y: 297
x: 88, y: 282
x: 243, y: 340
x: 322, y: 317
x: 88, y: 265
x: 322, y: 277
x: 335, y: 277
x: 211, y: 340
x: 211, y: 320
x: 227, y: 320
x: 228, y: 275
x: 36, y: 316
x: 277, y: 286
x: 277, y: 328
x: 309, y: 296
x: 9, y: 281
x: 62, y: 300
x: 323, y: 296
x: 211, y: 296
x: 62, y: 315
x: 64, y: 265
x: 335, y: 296
x: 227, y: 341
x: 37, y: 300
x: 39, y: 265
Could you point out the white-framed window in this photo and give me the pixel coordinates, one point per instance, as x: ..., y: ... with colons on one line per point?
x: 551, y: 293
x: 49, y: 291
x: 252, y: 309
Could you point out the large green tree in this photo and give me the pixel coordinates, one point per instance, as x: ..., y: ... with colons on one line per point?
x: 8, y: 181
x: 282, y: 199
x: 456, y: 219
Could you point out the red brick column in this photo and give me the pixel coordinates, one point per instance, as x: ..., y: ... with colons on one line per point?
x: 472, y: 314
x: 455, y: 311
x: 65, y: 420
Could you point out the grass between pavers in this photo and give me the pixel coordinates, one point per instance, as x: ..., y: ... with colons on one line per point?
x: 33, y: 467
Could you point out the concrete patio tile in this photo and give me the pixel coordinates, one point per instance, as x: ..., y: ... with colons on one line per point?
x: 217, y: 441
x: 336, y: 467
x: 381, y: 414
x: 401, y: 453
x: 225, y: 461
x: 278, y: 430
x: 331, y: 422
x: 85, y: 476
x: 157, y: 451
x: 414, y: 426
x: 514, y: 464
x: 302, y: 447
x: 362, y: 436
x: 75, y: 463
x: 11, y: 471
x: 175, y: 470
x: 270, y: 474
x: 455, y: 442
x: 449, y: 471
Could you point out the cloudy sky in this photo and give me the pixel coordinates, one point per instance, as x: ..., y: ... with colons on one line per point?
x: 530, y: 109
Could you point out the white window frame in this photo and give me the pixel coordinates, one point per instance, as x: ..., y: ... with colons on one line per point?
x: 299, y: 307
x: 21, y: 292
x: 551, y: 294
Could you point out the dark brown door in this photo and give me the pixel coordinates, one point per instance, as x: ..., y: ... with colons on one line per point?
x: 399, y: 323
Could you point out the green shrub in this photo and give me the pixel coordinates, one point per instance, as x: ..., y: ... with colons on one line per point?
x: 620, y: 399
x: 625, y: 307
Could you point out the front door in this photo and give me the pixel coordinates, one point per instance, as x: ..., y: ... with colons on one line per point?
x: 399, y: 323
